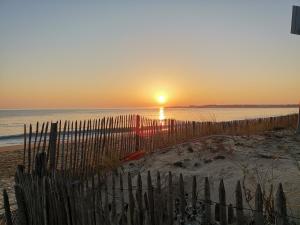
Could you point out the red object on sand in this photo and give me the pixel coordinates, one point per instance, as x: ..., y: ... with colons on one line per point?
x: 134, y: 156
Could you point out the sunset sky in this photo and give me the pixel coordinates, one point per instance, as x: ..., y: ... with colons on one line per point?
x: 72, y: 54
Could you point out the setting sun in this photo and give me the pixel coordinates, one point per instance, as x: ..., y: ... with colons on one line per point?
x: 161, y: 99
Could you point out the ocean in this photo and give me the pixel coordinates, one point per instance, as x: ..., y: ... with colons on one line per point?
x: 12, y: 121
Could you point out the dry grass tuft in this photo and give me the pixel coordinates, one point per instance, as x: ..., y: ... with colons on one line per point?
x: 110, y: 163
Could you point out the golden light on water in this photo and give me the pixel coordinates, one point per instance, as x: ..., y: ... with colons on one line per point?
x: 162, y: 114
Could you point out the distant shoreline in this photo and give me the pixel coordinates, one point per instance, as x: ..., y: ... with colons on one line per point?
x: 155, y: 107
x: 237, y: 106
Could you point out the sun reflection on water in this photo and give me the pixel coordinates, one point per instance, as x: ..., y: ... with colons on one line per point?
x: 162, y: 116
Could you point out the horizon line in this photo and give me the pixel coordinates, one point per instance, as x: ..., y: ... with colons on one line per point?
x: 159, y: 106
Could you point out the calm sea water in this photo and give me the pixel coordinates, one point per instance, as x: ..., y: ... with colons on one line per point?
x: 12, y: 121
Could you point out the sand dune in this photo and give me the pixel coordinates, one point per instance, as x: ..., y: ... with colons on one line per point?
x: 268, y: 158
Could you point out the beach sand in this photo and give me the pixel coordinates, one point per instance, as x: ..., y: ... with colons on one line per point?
x: 10, y: 157
x: 270, y: 157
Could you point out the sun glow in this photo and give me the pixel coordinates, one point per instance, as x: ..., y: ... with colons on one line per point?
x: 161, y: 99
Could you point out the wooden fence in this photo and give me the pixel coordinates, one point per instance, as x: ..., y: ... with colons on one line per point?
x: 56, y: 200
x: 61, y: 180
x: 81, y: 148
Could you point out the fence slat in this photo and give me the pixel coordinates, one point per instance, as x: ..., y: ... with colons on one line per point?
x: 29, y: 148
x: 158, y: 201
x: 182, y: 199
x: 52, y: 146
x: 139, y: 199
x: 62, y: 160
x: 8, y: 217
x: 150, y: 199
x: 280, y: 207
x: 230, y: 214
x: 170, y: 199
x: 239, y: 204
x: 207, y: 202
x: 35, y: 141
x: 122, y: 216
x: 258, y: 214
x: 131, y: 200
x: 113, y: 203
x: 194, y: 193
x: 222, y: 200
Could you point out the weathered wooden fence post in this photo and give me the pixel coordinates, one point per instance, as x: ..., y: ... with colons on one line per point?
x: 258, y: 214
x: 19, y: 173
x: 150, y: 199
x: 122, y: 216
x: 194, y: 128
x: 131, y: 200
x: 194, y: 195
x: 8, y: 217
x: 173, y: 129
x: 106, y: 204
x: 147, y: 214
x: 217, y: 212
x: 182, y: 199
x: 25, y: 145
x: 280, y: 207
x: 159, y: 204
x: 239, y: 204
x: 29, y: 149
x: 207, y: 203
x: 139, y: 199
x: 22, y: 210
x: 19, y: 194
x: 45, y: 200
x: 40, y: 164
x: 52, y: 146
x: 298, y: 125
x: 230, y: 214
x: 137, y: 133
x: 113, y: 203
x: 222, y: 199
x: 170, y: 200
